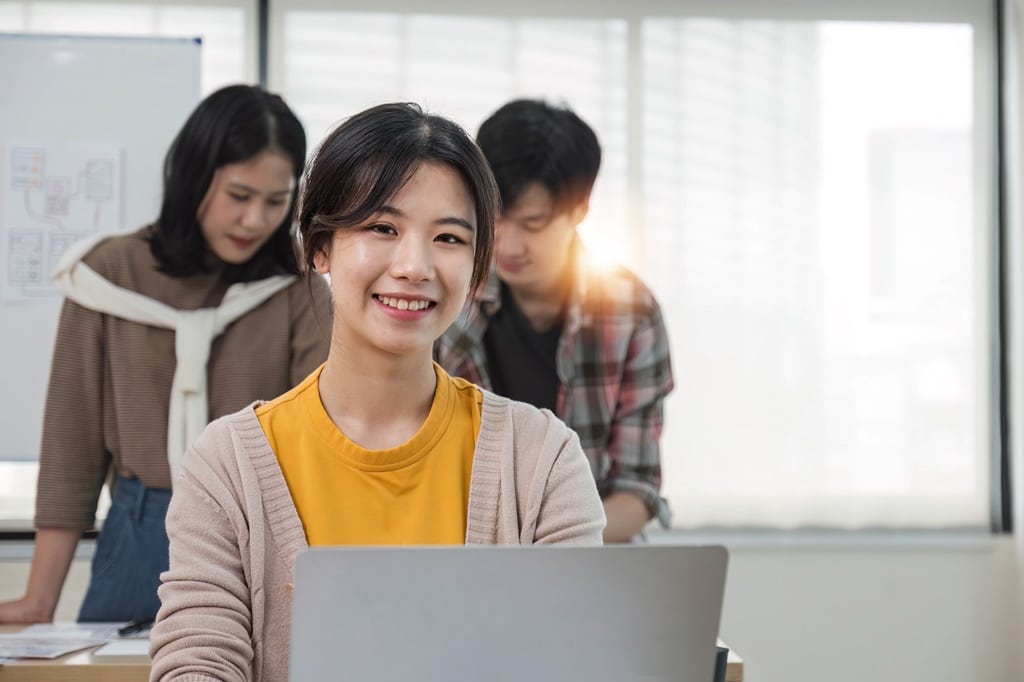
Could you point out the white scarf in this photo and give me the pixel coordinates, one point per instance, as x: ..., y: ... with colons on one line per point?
x: 194, y: 331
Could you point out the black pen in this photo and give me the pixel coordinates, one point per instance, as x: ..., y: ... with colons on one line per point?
x: 134, y: 627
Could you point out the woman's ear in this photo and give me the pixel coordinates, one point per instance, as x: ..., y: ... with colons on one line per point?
x: 322, y: 261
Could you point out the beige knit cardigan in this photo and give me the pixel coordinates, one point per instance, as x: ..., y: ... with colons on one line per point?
x: 235, y: 532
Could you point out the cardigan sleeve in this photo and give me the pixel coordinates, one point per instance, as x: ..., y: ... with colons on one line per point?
x: 570, y: 508
x: 203, y: 629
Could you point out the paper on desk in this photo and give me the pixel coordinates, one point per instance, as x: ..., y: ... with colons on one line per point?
x: 17, y: 645
x: 73, y: 630
x: 123, y: 647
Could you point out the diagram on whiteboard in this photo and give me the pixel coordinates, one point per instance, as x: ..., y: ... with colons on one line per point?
x: 54, y: 196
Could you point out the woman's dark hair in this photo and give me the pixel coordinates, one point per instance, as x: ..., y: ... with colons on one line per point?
x: 529, y: 140
x: 369, y: 157
x: 231, y: 125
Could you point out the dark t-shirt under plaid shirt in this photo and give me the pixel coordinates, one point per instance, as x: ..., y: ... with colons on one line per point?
x: 521, y: 361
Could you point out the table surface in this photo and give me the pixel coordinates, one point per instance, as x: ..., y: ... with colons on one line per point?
x: 84, y: 666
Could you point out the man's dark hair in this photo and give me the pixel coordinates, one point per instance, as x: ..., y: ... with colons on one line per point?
x: 528, y: 141
x: 233, y: 124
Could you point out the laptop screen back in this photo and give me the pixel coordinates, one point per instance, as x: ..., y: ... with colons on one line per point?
x: 453, y: 614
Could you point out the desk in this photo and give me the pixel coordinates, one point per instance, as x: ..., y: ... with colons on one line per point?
x: 80, y: 666
x: 84, y: 667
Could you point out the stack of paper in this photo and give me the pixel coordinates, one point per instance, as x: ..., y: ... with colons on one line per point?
x: 18, y: 645
x: 52, y: 640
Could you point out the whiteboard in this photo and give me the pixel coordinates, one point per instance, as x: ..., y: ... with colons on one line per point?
x: 109, y: 107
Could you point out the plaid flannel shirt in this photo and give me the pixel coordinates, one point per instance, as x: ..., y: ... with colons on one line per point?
x: 613, y: 367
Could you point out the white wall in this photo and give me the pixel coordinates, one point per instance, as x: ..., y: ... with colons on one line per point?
x: 878, y: 614
x: 894, y: 611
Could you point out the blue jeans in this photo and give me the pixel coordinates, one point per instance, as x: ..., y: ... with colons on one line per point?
x: 131, y: 552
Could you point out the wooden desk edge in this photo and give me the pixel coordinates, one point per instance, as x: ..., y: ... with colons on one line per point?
x: 87, y: 668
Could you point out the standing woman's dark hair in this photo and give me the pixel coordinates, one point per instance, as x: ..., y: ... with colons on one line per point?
x: 369, y: 157
x: 234, y: 124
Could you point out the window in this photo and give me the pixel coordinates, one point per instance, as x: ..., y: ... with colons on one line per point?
x: 813, y: 227
x: 814, y: 216
x: 811, y: 201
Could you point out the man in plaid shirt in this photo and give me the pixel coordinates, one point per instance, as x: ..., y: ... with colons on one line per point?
x: 550, y: 329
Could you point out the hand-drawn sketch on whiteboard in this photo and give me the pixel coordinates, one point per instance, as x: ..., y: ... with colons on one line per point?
x: 56, y: 195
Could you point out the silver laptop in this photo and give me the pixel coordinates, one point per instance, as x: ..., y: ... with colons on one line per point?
x: 483, y: 614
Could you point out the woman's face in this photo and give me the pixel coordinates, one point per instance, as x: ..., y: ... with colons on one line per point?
x: 400, y: 279
x: 245, y: 203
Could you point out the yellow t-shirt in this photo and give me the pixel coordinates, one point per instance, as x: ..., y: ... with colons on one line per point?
x: 413, y: 494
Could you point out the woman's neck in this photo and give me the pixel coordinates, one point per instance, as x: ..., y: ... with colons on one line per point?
x: 378, y: 401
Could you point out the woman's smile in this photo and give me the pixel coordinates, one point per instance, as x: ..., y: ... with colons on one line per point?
x: 399, y: 304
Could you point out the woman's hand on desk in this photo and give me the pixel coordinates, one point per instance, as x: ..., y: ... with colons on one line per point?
x: 54, y: 549
x: 24, y: 611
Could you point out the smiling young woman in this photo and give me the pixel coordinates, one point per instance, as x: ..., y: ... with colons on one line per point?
x: 379, y: 445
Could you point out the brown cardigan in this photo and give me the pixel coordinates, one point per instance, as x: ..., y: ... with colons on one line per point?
x: 110, y: 381
x: 234, y: 530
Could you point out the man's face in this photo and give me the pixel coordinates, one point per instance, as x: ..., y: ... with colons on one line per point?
x: 532, y: 242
